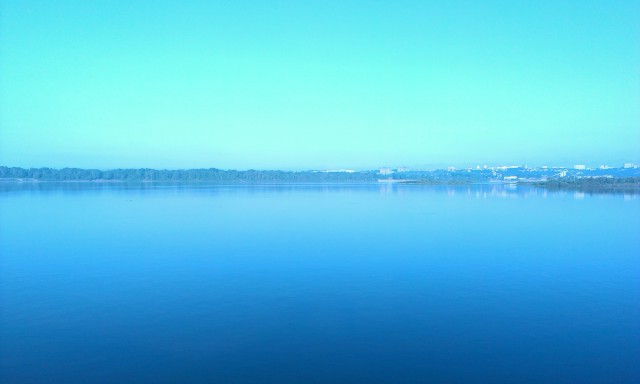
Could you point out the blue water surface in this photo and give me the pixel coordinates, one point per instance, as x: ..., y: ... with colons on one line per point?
x: 317, y: 284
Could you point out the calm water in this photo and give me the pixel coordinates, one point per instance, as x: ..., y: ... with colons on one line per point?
x: 318, y: 284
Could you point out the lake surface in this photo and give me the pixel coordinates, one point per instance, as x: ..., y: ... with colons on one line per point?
x: 317, y: 284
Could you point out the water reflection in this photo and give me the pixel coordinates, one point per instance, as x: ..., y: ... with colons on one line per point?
x: 478, y: 191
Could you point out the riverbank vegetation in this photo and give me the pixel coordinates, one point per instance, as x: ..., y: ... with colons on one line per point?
x: 595, y: 184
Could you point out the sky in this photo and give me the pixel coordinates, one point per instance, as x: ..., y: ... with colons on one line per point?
x: 318, y: 84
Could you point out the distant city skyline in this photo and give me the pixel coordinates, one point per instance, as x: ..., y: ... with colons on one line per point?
x: 319, y: 85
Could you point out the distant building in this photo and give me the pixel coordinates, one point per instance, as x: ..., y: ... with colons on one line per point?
x: 402, y: 169
x: 605, y: 167
x: 339, y: 171
x: 579, y: 166
x: 562, y: 174
x: 505, y: 167
x: 629, y: 165
x: 385, y: 171
x: 451, y: 169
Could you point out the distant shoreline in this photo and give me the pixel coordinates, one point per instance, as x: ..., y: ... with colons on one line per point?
x: 613, y: 179
x: 596, y: 185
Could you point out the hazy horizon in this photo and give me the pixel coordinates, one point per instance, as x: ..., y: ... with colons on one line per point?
x: 428, y: 167
x: 319, y: 85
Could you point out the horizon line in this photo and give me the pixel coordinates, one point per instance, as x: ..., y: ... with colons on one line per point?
x: 347, y: 169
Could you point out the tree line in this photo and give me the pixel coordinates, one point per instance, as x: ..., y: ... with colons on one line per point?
x: 206, y: 174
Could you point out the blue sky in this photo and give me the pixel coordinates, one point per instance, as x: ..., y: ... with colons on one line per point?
x: 318, y: 84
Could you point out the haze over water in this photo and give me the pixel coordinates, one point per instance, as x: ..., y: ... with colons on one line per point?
x: 311, y: 284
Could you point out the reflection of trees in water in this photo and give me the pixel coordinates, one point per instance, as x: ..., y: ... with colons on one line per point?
x: 479, y: 184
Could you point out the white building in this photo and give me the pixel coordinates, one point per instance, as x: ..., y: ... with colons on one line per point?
x: 339, y: 171
x: 385, y: 171
x: 579, y: 166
